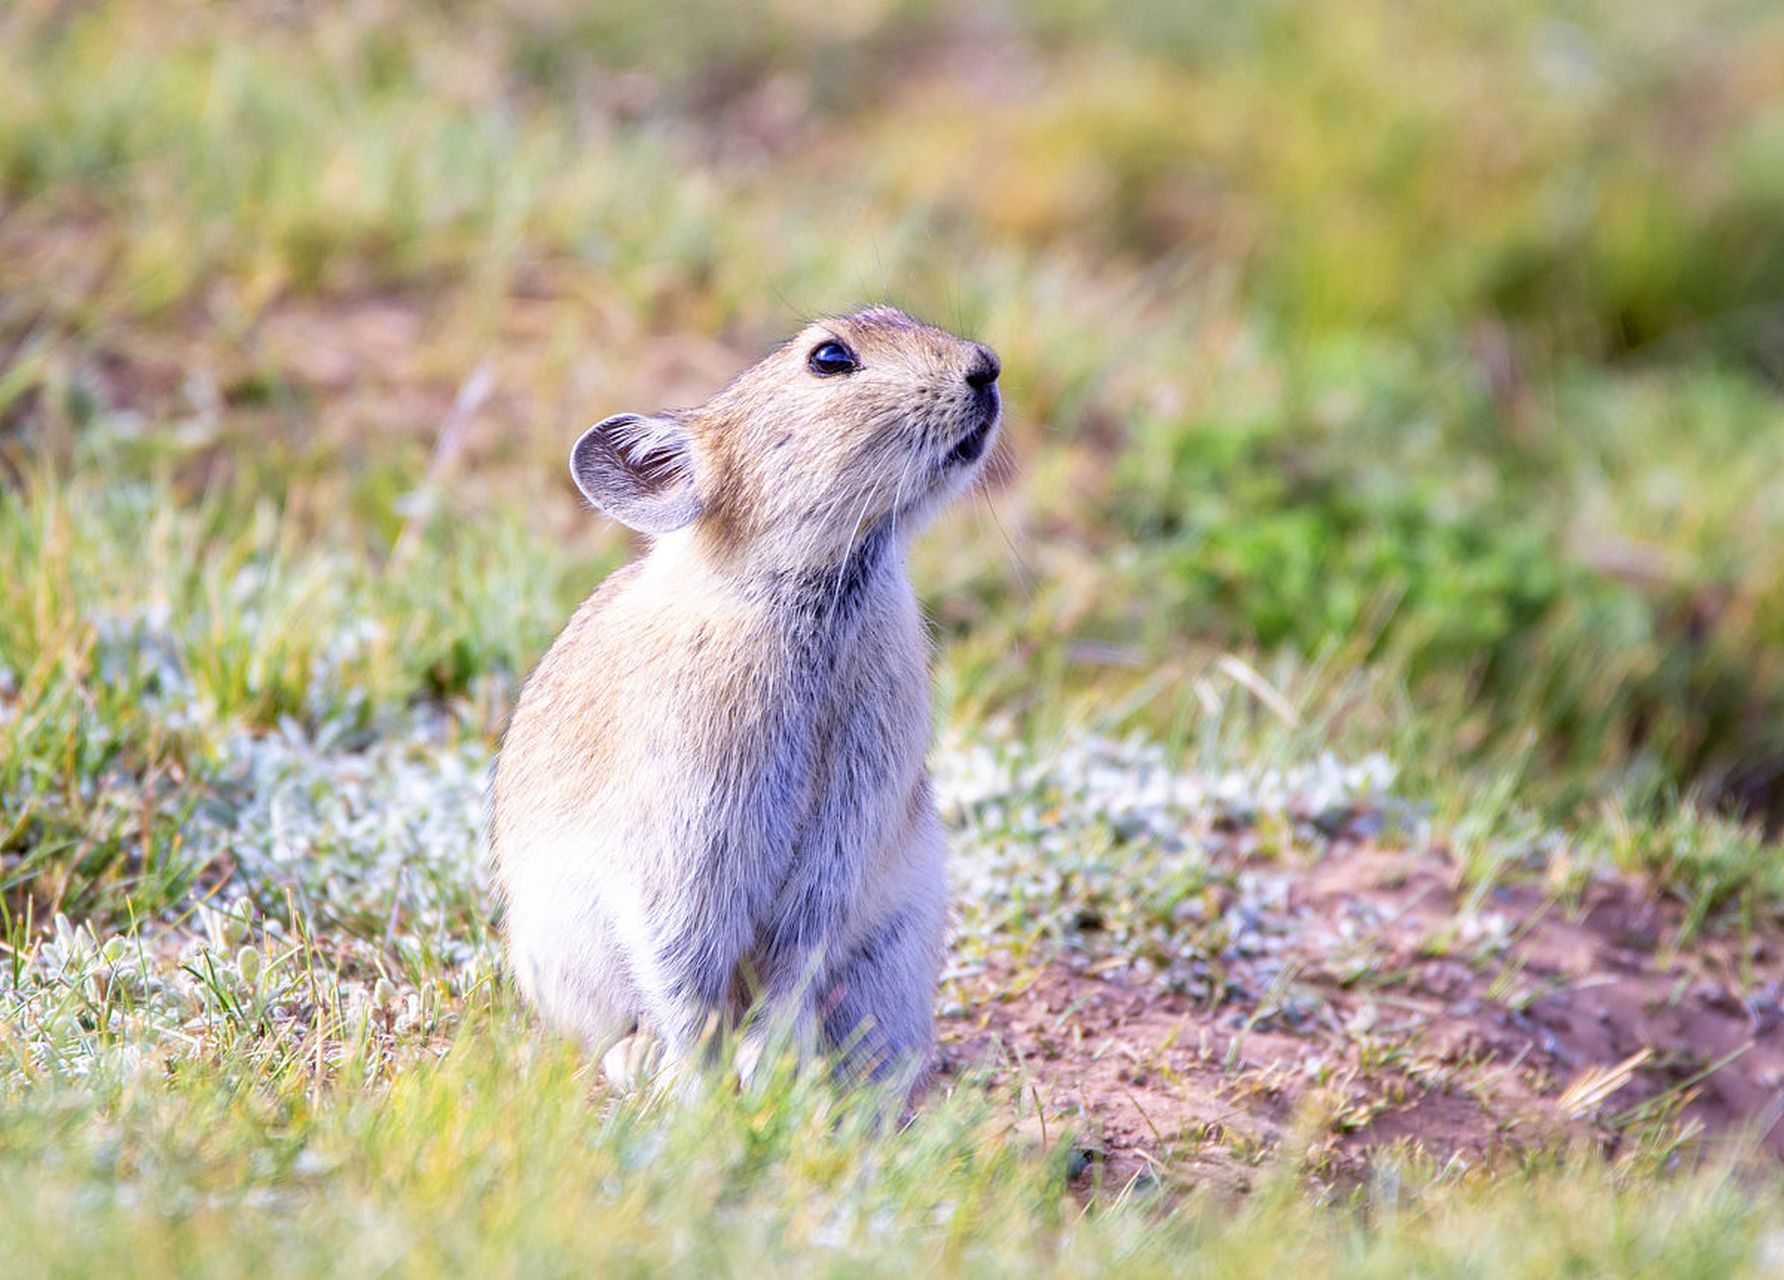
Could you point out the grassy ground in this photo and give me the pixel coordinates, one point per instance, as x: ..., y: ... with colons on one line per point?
x: 1394, y: 432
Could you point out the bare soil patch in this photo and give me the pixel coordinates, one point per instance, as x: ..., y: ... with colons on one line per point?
x: 1399, y: 1015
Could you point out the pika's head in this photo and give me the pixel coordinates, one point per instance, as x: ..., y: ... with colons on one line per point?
x: 863, y: 421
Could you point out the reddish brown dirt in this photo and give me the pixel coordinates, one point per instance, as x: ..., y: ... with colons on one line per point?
x: 1395, y: 1029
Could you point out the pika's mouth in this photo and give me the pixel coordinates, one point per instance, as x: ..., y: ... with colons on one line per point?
x: 971, y: 445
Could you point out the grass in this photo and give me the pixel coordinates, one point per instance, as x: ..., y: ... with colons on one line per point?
x: 493, y: 1160
x: 1393, y: 415
x: 1556, y: 538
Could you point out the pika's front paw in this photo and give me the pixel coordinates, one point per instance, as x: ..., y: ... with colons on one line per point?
x: 633, y: 1063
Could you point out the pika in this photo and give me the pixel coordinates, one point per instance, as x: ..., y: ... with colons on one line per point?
x: 711, y: 797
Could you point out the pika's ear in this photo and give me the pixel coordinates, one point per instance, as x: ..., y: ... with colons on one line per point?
x: 638, y: 470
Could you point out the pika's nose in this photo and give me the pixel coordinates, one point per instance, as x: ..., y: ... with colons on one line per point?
x: 985, y: 369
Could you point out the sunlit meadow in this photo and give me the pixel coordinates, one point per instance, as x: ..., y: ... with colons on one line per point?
x: 1394, y: 432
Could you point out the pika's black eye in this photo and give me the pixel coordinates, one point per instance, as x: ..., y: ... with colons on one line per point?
x: 830, y: 358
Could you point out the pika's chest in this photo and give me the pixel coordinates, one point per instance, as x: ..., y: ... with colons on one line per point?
x: 824, y: 690
x: 781, y: 722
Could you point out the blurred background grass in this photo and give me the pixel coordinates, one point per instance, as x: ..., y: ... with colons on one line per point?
x: 1432, y: 340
